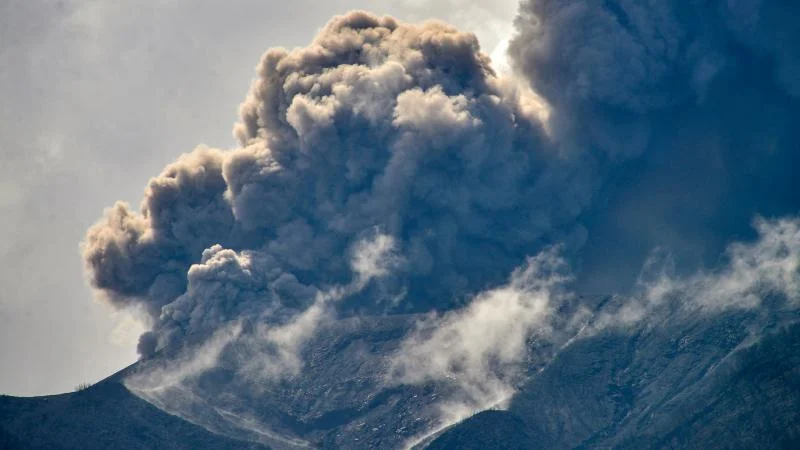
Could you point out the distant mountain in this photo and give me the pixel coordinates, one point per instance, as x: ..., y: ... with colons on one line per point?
x: 705, y: 383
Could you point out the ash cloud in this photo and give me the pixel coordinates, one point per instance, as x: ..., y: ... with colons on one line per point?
x: 375, y: 125
x: 387, y: 169
x: 644, y: 56
x: 685, y: 108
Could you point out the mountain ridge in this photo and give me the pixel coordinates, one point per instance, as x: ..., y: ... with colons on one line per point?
x: 705, y: 384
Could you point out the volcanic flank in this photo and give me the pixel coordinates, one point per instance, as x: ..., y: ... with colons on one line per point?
x: 405, y: 237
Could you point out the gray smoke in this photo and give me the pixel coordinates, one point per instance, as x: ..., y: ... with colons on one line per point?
x: 686, y: 108
x: 405, y: 130
x: 377, y: 126
x: 639, y: 57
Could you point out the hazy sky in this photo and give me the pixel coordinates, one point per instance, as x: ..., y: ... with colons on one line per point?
x: 96, y: 98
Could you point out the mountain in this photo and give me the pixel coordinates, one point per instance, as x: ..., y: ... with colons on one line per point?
x: 705, y: 383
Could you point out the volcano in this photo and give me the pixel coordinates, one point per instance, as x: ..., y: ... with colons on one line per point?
x: 403, y: 248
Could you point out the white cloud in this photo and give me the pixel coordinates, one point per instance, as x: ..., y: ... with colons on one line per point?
x: 374, y: 257
x: 480, y: 348
x: 752, y: 273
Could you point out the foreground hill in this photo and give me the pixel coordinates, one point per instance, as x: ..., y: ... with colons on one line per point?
x: 103, y: 416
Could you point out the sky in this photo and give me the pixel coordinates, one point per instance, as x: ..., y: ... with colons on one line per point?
x: 97, y: 98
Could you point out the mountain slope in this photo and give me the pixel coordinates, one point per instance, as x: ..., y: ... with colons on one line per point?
x: 751, y: 401
x: 487, y: 429
x: 711, y: 382
x: 707, y: 388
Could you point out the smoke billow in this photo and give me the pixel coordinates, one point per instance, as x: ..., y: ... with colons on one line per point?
x: 377, y: 125
x: 686, y: 108
x: 386, y: 169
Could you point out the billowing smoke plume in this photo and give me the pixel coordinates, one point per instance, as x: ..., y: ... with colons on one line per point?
x: 377, y: 126
x: 686, y: 107
x: 387, y: 169
x: 652, y: 140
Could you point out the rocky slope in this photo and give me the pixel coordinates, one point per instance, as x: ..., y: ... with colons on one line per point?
x: 700, y: 386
